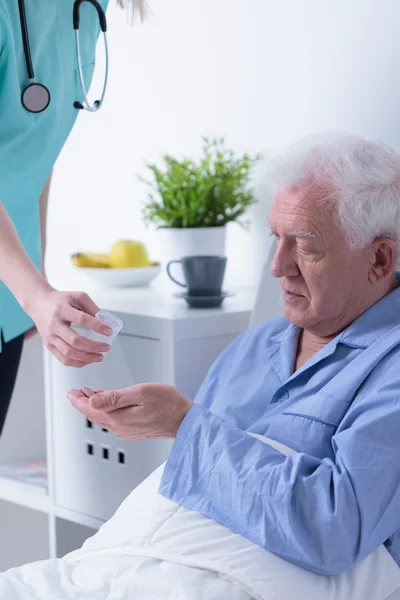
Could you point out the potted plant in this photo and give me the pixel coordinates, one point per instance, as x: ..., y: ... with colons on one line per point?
x: 192, y: 201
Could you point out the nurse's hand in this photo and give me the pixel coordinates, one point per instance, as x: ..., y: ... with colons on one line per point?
x: 53, y: 312
x: 30, y: 333
x: 139, y: 412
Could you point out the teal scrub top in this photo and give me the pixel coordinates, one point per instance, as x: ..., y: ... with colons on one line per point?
x: 30, y: 143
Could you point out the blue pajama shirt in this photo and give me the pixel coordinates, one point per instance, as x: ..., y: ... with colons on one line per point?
x: 337, y: 498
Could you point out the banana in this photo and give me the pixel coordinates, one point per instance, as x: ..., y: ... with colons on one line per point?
x: 100, y: 261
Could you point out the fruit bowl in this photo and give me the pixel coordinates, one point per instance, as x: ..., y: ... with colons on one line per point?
x: 126, y: 265
x: 123, y: 277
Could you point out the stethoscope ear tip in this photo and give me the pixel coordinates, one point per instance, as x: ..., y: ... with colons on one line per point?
x: 96, y: 105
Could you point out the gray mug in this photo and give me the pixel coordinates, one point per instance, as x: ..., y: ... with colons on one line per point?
x: 203, y: 275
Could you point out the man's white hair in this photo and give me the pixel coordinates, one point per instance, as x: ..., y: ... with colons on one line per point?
x: 362, y: 176
x: 135, y: 6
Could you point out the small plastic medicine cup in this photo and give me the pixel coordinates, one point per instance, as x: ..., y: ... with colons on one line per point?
x: 106, y: 317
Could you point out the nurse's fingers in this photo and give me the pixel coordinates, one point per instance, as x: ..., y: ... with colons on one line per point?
x: 84, y: 301
x: 71, y: 314
x: 71, y: 353
x: 79, y: 342
x: 63, y: 359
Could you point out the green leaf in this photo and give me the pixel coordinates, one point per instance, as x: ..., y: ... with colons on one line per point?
x: 212, y: 191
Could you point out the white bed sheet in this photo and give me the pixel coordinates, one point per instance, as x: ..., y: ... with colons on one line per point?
x: 155, y: 549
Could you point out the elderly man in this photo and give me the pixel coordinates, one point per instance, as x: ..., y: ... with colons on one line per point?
x: 324, y: 379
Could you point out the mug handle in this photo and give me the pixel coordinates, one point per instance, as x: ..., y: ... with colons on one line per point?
x: 171, y: 276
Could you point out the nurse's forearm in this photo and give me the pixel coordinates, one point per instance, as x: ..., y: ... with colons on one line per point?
x: 17, y: 271
x: 44, y: 199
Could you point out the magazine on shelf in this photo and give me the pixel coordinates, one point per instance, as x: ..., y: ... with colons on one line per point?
x: 33, y: 472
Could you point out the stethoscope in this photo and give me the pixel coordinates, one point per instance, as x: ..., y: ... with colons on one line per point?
x: 35, y: 97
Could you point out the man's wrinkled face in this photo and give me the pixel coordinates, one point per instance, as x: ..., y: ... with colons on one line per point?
x: 324, y: 282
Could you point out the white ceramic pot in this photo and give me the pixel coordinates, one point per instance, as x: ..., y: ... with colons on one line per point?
x: 177, y: 242
x: 193, y: 241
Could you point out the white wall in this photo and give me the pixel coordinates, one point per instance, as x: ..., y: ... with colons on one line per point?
x: 258, y: 71
x: 24, y: 434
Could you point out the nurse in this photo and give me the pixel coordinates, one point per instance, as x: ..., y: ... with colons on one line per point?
x: 47, y: 56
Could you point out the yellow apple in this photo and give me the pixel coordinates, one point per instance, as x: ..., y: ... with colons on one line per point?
x: 127, y: 254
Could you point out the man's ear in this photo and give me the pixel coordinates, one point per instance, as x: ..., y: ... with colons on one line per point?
x: 384, y: 259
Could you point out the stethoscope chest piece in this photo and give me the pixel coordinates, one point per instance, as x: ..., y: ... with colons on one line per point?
x: 35, y: 98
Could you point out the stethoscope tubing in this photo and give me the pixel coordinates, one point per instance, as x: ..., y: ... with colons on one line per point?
x: 36, y: 106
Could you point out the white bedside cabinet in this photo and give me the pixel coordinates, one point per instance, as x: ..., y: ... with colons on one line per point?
x: 91, y: 471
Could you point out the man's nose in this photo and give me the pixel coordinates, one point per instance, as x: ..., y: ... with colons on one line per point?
x: 283, y: 263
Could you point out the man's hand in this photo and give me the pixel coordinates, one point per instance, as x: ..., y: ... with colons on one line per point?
x: 139, y: 412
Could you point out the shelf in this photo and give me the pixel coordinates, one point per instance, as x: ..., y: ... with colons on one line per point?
x: 24, y: 494
x: 25, y: 483
x: 78, y: 518
x: 36, y: 497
